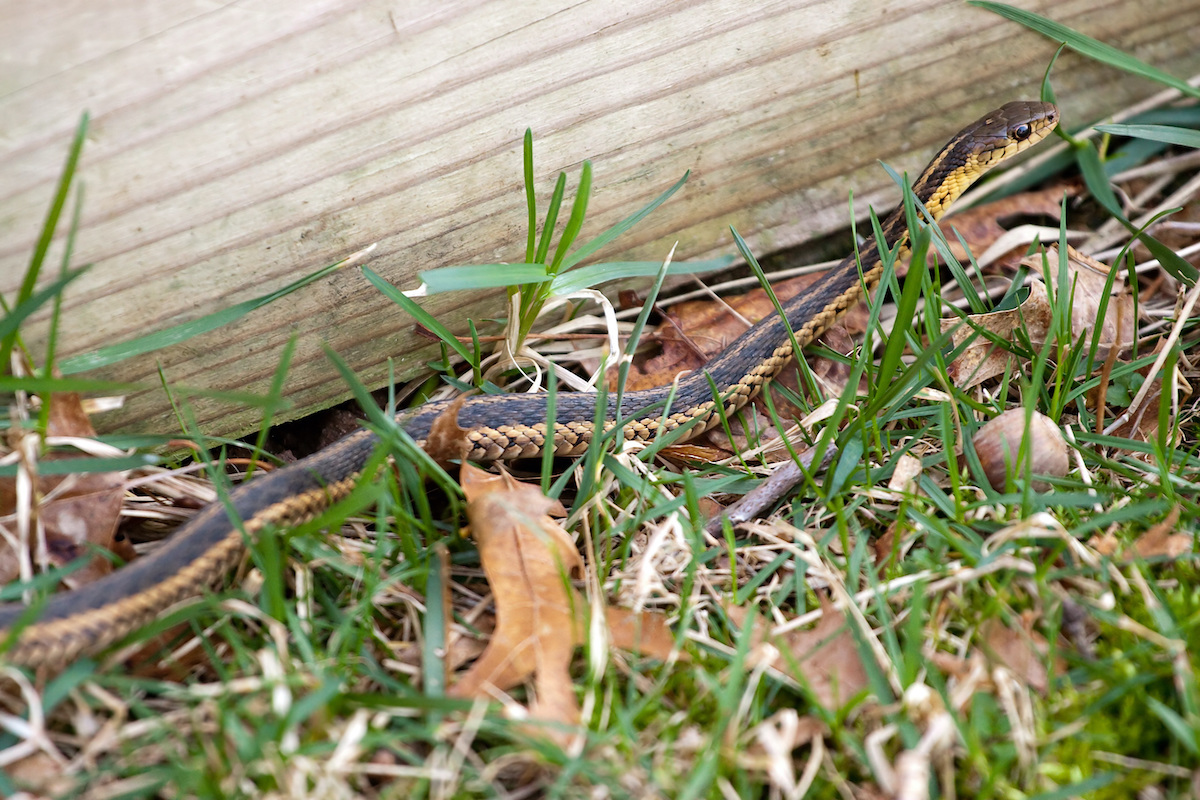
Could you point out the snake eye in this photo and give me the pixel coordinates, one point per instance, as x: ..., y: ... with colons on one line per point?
x: 1021, y: 132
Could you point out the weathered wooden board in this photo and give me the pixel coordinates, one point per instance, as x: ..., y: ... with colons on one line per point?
x: 236, y: 147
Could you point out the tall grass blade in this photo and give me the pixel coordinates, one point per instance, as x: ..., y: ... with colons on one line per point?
x: 181, y: 333
x: 13, y: 319
x: 596, y: 274
x: 530, y: 195
x: 543, y: 248
x: 575, y: 222
x: 419, y: 314
x: 8, y: 339
x: 1087, y: 46
x: 586, y: 251
x: 493, y: 276
x: 465, y: 277
x: 1169, y: 134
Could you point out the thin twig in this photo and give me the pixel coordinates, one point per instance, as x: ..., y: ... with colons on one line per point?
x: 769, y: 492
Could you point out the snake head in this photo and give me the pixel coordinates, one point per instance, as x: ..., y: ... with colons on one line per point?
x: 1018, y: 125
x: 1007, y: 131
x: 989, y: 140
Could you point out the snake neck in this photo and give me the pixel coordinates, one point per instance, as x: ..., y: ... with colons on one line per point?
x: 502, y: 427
x: 763, y: 350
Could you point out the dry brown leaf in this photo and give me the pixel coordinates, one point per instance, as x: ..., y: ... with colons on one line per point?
x: 982, y: 359
x: 825, y: 658
x: 904, y: 476
x: 447, y: 440
x: 1160, y: 540
x: 640, y: 632
x: 82, y: 511
x: 1022, y: 652
x: 980, y: 226
x: 529, y: 561
x: 953, y: 666
x: 1105, y: 544
x: 1142, y: 424
x: 884, y: 548
x: 463, y: 649
x: 42, y: 774
x: 1087, y: 279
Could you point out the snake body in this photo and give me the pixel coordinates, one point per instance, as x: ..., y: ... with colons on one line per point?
x: 88, y: 619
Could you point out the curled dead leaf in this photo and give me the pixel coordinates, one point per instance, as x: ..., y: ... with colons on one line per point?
x: 1086, y: 279
x: 999, y: 443
x: 982, y: 226
x: 77, y: 514
x: 1164, y: 539
x: 1022, y: 651
x: 1161, y: 540
x: 447, y: 440
x: 824, y: 658
x: 530, y: 563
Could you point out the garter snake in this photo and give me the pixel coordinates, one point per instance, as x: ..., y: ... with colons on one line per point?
x: 90, y: 618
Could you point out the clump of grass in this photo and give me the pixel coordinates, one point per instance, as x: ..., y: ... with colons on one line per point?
x: 543, y: 278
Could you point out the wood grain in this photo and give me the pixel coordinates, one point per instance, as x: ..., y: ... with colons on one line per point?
x: 235, y: 148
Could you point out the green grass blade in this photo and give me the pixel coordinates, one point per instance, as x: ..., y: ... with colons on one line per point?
x: 13, y: 319
x: 277, y: 401
x: 48, y: 365
x: 530, y: 195
x: 757, y: 269
x: 1087, y: 46
x: 969, y: 290
x: 419, y: 314
x: 392, y: 433
x: 433, y: 649
x: 1179, y: 268
x: 1097, y: 781
x: 1096, y: 180
x: 8, y: 339
x: 1184, y: 137
x: 360, y: 391
x: 492, y: 276
x: 607, y: 236
x: 44, y: 385
x: 181, y: 333
x: 547, y: 459
x: 575, y: 221
x: 481, y: 276
x: 639, y: 325
x: 556, y: 198
x: 76, y: 466
x: 1047, y: 87
x: 249, y: 399
x: 906, y: 308
x: 596, y: 274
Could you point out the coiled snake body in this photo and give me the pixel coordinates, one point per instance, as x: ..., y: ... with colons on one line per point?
x: 500, y: 426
